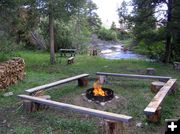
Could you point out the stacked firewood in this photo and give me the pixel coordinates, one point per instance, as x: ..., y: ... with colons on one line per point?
x: 11, y: 71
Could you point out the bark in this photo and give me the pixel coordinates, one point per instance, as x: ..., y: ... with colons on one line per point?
x: 51, y: 36
x: 168, y: 48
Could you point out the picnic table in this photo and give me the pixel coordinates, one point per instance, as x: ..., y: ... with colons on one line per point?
x: 63, y: 52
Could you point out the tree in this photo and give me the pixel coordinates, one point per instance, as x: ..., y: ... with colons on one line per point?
x: 123, y: 15
x: 145, y: 21
x: 93, y: 19
x: 57, y: 10
x: 113, y: 26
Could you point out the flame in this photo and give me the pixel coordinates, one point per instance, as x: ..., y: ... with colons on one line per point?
x: 98, y: 89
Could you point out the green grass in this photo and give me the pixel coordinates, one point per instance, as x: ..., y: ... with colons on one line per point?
x: 134, y: 95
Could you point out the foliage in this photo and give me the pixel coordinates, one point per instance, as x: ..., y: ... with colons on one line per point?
x: 66, y: 35
x: 152, y: 50
x: 113, y: 26
x: 124, y: 35
x: 148, y: 16
x: 124, y: 16
x: 8, y: 49
x: 107, y: 34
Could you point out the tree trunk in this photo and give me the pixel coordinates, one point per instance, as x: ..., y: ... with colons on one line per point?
x: 51, y: 35
x: 168, y: 48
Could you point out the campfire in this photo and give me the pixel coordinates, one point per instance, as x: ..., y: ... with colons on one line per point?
x: 99, y: 93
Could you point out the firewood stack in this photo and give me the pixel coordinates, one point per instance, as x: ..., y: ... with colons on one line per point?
x: 11, y: 71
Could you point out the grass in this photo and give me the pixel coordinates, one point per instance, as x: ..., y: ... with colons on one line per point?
x: 134, y: 95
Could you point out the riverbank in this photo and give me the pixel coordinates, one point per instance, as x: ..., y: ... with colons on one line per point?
x: 114, y: 49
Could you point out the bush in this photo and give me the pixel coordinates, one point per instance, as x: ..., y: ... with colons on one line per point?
x: 66, y: 35
x: 7, y: 49
x: 106, y: 34
x: 153, y: 50
x: 123, y: 35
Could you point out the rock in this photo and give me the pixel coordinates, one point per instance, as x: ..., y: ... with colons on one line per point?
x: 102, y: 103
x: 138, y: 124
x: 4, y: 121
x: 8, y: 94
x: 8, y: 125
x: 83, y: 94
x: 116, y: 97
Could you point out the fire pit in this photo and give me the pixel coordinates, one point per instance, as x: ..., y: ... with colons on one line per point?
x: 99, y: 94
x: 109, y: 95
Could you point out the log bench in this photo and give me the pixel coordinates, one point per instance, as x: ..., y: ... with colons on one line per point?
x: 82, y: 81
x: 152, y: 111
x: 70, y: 60
x: 103, y: 76
x: 111, y: 119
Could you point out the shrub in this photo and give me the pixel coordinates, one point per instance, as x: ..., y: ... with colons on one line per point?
x: 106, y: 34
x: 7, y: 49
x: 153, y: 50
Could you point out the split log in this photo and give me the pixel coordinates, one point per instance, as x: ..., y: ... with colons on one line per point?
x: 11, y: 71
x: 156, y: 86
x: 112, y: 127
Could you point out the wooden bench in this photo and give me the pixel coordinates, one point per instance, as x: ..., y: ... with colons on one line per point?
x: 82, y: 81
x: 112, y: 119
x: 103, y: 76
x: 152, y: 111
x: 63, y: 52
x: 70, y: 60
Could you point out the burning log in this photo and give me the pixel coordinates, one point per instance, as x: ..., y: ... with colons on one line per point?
x: 11, y: 71
x: 98, y: 89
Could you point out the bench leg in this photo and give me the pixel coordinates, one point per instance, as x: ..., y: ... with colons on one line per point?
x: 173, y: 89
x: 154, y: 117
x: 112, y: 127
x: 30, y: 106
x: 83, y: 81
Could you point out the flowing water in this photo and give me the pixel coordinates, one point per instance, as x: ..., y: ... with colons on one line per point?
x: 117, y: 51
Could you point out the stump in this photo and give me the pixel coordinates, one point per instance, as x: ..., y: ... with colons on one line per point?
x: 30, y: 106
x: 94, y: 52
x: 70, y: 60
x: 83, y: 81
x: 112, y: 127
x: 150, y: 71
x: 156, y: 86
x: 154, y: 117
x: 177, y: 65
x: 27, y: 105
